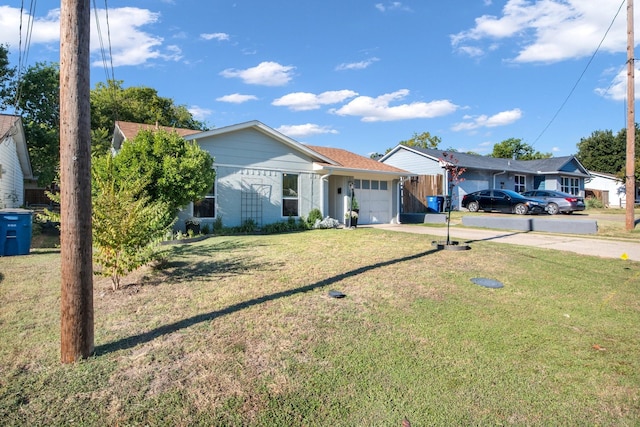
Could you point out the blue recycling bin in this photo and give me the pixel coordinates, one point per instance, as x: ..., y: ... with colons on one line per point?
x: 15, y: 231
x: 435, y: 203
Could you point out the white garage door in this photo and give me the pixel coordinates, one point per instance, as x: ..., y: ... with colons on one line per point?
x: 374, y: 199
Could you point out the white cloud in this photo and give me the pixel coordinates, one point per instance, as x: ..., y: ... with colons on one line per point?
x: 237, y: 98
x: 306, y: 130
x: 394, y: 5
x: 265, y: 73
x: 215, y: 36
x: 548, y: 30
x: 129, y: 44
x: 199, y: 113
x: 379, y: 110
x: 304, y: 101
x: 45, y: 30
x: 483, y: 121
x: 617, y: 88
x: 357, y: 65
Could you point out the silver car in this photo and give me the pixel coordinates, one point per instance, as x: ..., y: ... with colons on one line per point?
x: 557, y: 201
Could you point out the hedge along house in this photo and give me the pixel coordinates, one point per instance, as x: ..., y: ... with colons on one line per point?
x: 555, y: 173
x: 15, y: 166
x: 266, y: 177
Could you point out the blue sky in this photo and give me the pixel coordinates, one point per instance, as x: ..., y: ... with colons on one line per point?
x: 363, y: 75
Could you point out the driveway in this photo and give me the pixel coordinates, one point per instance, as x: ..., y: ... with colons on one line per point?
x: 606, y: 248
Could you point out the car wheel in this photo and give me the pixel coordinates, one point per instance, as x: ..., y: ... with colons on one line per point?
x: 553, y: 209
x: 473, y: 207
x: 521, y: 209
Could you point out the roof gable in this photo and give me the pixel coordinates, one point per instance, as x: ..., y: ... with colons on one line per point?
x: 11, y: 126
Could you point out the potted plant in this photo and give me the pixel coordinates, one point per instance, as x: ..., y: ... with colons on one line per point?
x: 354, y: 218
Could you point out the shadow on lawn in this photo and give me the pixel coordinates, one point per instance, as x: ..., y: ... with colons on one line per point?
x: 145, y: 337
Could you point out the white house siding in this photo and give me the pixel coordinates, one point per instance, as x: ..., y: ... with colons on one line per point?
x: 11, y: 176
x: 413, y: 162
x: 614, y: 186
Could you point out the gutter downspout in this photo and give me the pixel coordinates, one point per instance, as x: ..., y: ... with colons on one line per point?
x: 400, y: 192
x: 322, y: 193
x: 494, y: 177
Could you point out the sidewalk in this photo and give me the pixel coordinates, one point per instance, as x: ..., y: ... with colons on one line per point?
x: 586, y: 246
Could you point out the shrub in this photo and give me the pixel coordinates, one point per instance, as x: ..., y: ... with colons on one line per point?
x: 217, y: 225
x: 593, y: 203
x: 314, y: 215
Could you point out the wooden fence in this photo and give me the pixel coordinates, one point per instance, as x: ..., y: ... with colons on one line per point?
x: 417, y: 189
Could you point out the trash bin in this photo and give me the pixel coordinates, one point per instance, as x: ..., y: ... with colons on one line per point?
x: 15, y: 231
x: 435, y: 203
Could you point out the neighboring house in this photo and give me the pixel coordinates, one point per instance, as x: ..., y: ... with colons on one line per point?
x: 556, y: 173
x: 607, y: 188
x: 265, y: 176
x: 15, y: 166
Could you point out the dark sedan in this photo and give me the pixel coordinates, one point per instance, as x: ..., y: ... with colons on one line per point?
x: 557, y: 201
x: 503, y: 201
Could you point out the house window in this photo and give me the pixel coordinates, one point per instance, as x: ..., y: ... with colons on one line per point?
x: 383, y: 185
x: 206, y: 208
x: 520, y: 181
x: 289, y: 194
x: 570, y: 185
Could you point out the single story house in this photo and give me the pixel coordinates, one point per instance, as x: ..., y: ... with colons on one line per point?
x: 265, y: 176
x: 15, y: 165
x: 556, y: 173
x: 607, y: 188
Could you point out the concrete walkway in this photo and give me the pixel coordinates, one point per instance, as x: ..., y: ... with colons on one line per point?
x: 586, y: 246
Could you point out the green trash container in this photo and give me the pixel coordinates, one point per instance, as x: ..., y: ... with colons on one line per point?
x: 15, y: 231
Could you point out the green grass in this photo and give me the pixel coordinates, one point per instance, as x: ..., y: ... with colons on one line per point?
x: 240, y: 331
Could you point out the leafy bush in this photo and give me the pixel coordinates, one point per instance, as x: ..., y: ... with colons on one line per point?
x: 314, y: 215
x: 217, y: 225
x: 593, y: 203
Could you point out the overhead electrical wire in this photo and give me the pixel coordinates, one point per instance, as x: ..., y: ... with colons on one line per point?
x: 107, y: 64
x: 581, y: 75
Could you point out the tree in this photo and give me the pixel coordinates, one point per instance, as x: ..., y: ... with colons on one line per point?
x: 423, y: 140
x: 514, y: 148
x: 126, y: 225
x: 6, y: 78
x: 139, y: 104
x: 176, y: 171
x: 604, y: 152
x: 37, y: 100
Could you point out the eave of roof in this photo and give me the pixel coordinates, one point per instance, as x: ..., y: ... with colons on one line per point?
x: 347, y: 161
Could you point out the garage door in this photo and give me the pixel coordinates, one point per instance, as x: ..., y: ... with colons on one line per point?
x: 374, y: 198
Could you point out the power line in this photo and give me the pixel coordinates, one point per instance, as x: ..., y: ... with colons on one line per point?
x: 581, y: 75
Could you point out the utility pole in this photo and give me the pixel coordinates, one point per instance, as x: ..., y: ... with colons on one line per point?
x: 630, y: 181
x: 76, y: 305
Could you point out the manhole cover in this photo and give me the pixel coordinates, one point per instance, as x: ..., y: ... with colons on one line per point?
x: 487, y: 283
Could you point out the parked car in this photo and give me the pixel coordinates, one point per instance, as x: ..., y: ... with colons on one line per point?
x: 557, y: 201
x: 503, y: 201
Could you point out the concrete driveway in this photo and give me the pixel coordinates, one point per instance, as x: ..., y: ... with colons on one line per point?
x: 606, y: 248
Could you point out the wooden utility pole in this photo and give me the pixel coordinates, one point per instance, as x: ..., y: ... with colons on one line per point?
x: 630, y: 181
x: 76, y: 305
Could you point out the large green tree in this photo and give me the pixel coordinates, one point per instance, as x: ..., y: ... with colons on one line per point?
x: 515, y: 148
x: 176, y: 172
x: 6, y: 78
x: 111, y: 101
x: 603, y: 151
x: 37, y: 100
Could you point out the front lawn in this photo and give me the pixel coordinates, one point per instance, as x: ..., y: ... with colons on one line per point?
x: 240, y: 331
